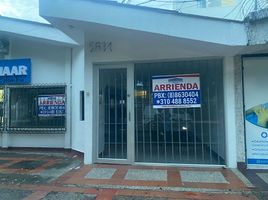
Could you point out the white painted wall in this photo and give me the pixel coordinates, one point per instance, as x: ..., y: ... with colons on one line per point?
x: 48, y: 61
x: 82, y: 79
x: 139, y: 46
x: 36, y: 140
x: 50, y: 65
x: 90, y: 105
x: 78, y: 82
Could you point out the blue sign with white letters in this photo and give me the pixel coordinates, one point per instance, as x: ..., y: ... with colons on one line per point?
x: 16, y: 71
x: 51, y: 105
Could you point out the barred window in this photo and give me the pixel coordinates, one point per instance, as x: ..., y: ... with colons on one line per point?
x: 37, y: 107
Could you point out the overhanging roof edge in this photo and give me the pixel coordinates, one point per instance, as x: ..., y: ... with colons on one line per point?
x: 34, y: 30
x: 160, y: 10
x: 179, y: 25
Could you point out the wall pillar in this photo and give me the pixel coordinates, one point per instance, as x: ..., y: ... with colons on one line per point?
x: 68, y: 80
x: 89, y: 109
x: 229, y: 107
x: 239, y: 107
x: 77, y: 84
x: 4, y: 135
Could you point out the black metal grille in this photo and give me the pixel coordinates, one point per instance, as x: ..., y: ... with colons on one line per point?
x: 112, y: 114
x: 180, y: 135
x: 23, y: 111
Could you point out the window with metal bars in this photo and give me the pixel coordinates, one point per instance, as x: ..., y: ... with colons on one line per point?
x: 180, y: 135
x: 37, y: 107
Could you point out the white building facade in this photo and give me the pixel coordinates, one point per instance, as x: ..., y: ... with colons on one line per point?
x: 135, y: 85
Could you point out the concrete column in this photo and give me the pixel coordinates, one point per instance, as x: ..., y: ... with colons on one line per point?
x: 240, y: 132
x: 68, y: 77
x: 229, y: 107
x: 78, y: 127
x: 89, y: 110
x: 4, y: 135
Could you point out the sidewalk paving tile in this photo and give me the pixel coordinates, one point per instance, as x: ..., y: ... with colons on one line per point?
x: 106, y: 194
x: 202, y: 177
x: 68, y: 196
x: 12, y: 178
x: 11, y: 194
x: 36, y: 195
x: 101, y: 173
x: 65, y: 177
x: 263, y: 176
x: 3, y: 162
x: 27, y: 164
x: 146, y: 175
x: 138, y: 198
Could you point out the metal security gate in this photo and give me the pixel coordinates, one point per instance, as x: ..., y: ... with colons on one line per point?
x: 20, y: 109
x: 180, y: 135
x: 114, y: 114
x: 130, y: 130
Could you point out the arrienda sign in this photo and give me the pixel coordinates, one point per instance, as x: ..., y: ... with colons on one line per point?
x: 51, y: 105
x: 17, y: 71
x: 176, y: 91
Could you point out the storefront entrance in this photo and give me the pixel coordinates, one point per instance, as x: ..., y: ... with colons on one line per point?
x: 131, y: 129
x: 115, y: 120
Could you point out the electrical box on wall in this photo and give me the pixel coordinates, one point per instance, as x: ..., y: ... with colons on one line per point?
x: 82, y: 105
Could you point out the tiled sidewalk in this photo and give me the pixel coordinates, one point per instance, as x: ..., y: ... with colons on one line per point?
x: 59, y: 176
x: 257, y: 176
x: 125, y: 175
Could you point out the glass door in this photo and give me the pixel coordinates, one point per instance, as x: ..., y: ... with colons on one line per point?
x: 114, y: 116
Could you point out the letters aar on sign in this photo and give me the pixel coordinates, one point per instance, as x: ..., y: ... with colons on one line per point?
x: 13, y: 71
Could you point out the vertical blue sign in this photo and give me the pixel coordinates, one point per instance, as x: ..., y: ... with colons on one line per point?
x: 16, y: 71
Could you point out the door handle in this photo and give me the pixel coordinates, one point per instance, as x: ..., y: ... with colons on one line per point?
x: 129, y: 116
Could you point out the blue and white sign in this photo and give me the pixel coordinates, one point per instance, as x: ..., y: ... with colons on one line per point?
x: 51, y: 105
x: 256, y: 111
x: 17, y: 71
x: 176, y: 91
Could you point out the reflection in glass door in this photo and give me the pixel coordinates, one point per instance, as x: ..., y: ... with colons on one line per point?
x: 112, y: 134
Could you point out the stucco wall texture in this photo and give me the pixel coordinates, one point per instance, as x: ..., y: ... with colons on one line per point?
x: 240, y: 139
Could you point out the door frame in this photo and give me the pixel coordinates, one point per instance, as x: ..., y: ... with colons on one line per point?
x: 130, y: 113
